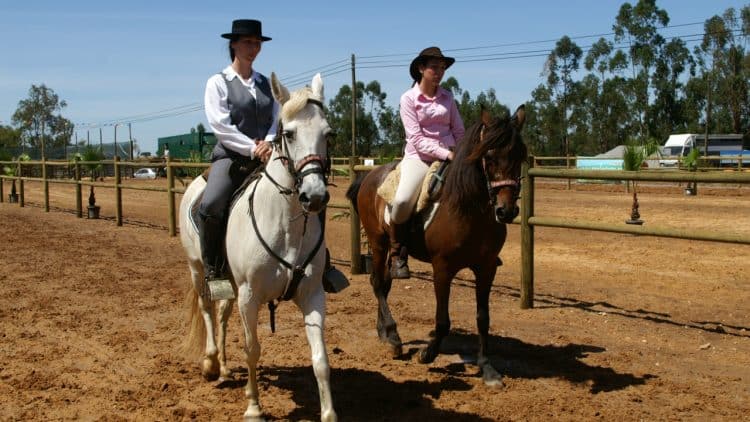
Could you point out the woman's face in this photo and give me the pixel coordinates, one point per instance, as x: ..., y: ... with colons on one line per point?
x: 247, y: 47
x: 433, y: 71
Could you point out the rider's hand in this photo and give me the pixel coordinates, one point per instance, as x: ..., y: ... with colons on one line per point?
x: 262, y: 150
x: 450, y: 156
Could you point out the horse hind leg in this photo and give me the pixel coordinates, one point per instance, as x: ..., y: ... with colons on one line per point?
x: 225, y: 310
x: 313, y: 308
x: 203, y: 329
x: 490, y: 375
x: 381, y: 283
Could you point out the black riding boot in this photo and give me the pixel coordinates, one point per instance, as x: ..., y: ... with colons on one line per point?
x: 398, y: 253
x: 334, y: 280
x: 212, y: 248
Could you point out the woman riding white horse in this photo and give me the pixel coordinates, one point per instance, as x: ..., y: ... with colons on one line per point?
x: 274, y: 244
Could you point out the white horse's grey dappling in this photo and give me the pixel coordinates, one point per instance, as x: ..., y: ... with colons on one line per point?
x: 292, y: 187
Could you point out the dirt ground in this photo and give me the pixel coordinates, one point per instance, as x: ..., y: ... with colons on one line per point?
x: 623, y: 328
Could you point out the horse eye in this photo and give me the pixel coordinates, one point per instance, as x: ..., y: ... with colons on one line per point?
x: 289, y: 134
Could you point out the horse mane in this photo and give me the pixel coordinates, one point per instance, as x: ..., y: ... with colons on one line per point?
x: 465, y: 184
x: 297, y: 101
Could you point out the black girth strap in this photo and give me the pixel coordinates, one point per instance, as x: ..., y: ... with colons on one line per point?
x: 298, y: 272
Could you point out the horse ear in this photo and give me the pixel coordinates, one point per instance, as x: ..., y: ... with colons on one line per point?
x: 317, y: 86
x: 485, y: 116
x: 279, y: 91
x: 519, y: 117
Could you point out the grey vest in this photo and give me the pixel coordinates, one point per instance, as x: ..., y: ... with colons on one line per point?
x: 252, y: 116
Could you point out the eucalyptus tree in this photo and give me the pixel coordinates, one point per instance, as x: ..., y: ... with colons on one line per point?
x: 370, y: 103
x: 667, y: 111
x: 605, y: 93
x: 39, y: 121
x: 561, y: 63
x: 723, y: 45
x: 638, y: 26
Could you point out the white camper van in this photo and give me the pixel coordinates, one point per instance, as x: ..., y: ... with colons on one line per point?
x: 680, y: 145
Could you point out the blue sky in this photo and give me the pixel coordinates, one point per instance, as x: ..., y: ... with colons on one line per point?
x: 138, y: 60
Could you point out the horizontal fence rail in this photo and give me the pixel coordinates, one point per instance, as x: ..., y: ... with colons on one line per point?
x: 529, y: 220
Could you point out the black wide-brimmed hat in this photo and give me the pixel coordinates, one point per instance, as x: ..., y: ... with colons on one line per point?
x: 246, y: 27
x: 427, y: 54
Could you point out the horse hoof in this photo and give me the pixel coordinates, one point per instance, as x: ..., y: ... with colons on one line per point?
x: 210, y: 369
x: 253, y: 414
x: 396, y: 351
x: 426, y: 355
x: 491, y: 377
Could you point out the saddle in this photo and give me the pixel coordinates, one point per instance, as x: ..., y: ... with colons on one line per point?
x: 429, y: 192
x: 250, y: 174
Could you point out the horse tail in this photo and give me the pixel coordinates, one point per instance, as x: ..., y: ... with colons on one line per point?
x: 353, y: 191
x: 194, y: 344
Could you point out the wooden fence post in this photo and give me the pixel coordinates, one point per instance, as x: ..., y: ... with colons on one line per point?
x: 170, y: 199
x: 45, y: 184
x: 118, y: 192
x: 527, y: 237
x: 79, y: 198
x: 2, y: 193
x: 21, y: 200
x: 354, y: 225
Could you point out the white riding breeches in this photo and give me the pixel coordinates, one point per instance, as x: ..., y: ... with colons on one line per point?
x: 413, y: 172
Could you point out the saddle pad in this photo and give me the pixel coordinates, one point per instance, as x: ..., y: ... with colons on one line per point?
x: 387, y: 189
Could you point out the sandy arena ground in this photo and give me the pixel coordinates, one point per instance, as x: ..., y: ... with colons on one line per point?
x: 624, y: 327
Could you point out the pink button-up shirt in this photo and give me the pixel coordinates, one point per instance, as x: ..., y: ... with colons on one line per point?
x: 432, y: 125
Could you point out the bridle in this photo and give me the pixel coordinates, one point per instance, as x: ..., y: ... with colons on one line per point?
x: 281, y: 143
x: 495, y: 186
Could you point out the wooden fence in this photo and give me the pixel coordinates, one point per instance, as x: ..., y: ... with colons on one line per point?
x: 527, y: 219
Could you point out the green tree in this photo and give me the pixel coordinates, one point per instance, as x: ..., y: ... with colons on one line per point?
x: 38, y: 120
x: 561, y: 63
x: 638, y: 26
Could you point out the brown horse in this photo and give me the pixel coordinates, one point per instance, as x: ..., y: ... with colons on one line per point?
x: 468, y: 230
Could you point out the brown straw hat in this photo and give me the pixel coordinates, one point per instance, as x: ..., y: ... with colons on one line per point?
x: 427, y: 54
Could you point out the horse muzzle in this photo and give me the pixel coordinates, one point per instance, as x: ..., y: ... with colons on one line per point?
x: 314, y: 203
x: 506, y: 213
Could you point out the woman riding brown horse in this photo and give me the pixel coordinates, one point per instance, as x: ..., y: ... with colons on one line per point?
x: 467, y: 231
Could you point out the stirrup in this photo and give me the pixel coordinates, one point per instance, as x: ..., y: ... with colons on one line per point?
x: 218, y: 288
x: 334, y: 280
x: 399, y: 268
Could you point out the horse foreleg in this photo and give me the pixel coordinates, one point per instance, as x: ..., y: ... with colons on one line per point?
x: 225, y: 310
x: 442, y: 284
x: 249, y: 316
x: 313, y: 308
x: 484, y: 279
x: 381, y: 283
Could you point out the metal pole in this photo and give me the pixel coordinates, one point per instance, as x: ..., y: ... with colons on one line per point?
x: 116, y: 154
x: 101, y: 148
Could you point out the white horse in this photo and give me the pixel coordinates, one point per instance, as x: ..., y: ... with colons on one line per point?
x: 273, y: 233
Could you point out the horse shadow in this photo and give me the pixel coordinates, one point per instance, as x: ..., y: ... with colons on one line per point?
x: 514, y: 358
x: 361, y: 395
